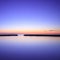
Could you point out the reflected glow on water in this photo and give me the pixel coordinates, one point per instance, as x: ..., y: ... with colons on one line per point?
x: 22, y: 47
x: 35, y: 40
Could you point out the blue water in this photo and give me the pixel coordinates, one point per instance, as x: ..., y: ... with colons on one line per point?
x: 29, y: 48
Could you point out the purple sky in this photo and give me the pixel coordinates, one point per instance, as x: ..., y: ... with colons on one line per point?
x: 30, y: 14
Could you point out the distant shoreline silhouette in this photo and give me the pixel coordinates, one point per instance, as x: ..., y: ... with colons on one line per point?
x: 55, y: 35
x: 8, y: 35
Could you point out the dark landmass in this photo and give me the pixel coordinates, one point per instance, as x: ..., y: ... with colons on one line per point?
x: 55, y: 35
x: 8, y: 34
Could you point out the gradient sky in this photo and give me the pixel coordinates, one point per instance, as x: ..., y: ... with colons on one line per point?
x: 29, y: 16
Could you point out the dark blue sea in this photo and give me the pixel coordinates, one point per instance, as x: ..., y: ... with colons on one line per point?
x: 29, y: 48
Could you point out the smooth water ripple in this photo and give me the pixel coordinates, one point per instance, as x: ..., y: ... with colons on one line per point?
x: 33, y: 48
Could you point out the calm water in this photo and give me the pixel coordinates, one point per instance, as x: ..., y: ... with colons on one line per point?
x: 29, y: 48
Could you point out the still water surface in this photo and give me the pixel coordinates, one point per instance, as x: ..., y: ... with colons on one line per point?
x: 29, y: 48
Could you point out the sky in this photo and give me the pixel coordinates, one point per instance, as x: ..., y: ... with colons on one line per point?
x: 30, y: 16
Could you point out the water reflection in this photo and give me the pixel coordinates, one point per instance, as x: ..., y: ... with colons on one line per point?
x: 34, y: 48
x: 24, y: 39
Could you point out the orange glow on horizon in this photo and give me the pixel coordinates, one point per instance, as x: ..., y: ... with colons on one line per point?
x: 31, y: 31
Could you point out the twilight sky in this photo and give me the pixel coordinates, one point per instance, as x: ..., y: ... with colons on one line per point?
x: 29, y: 16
